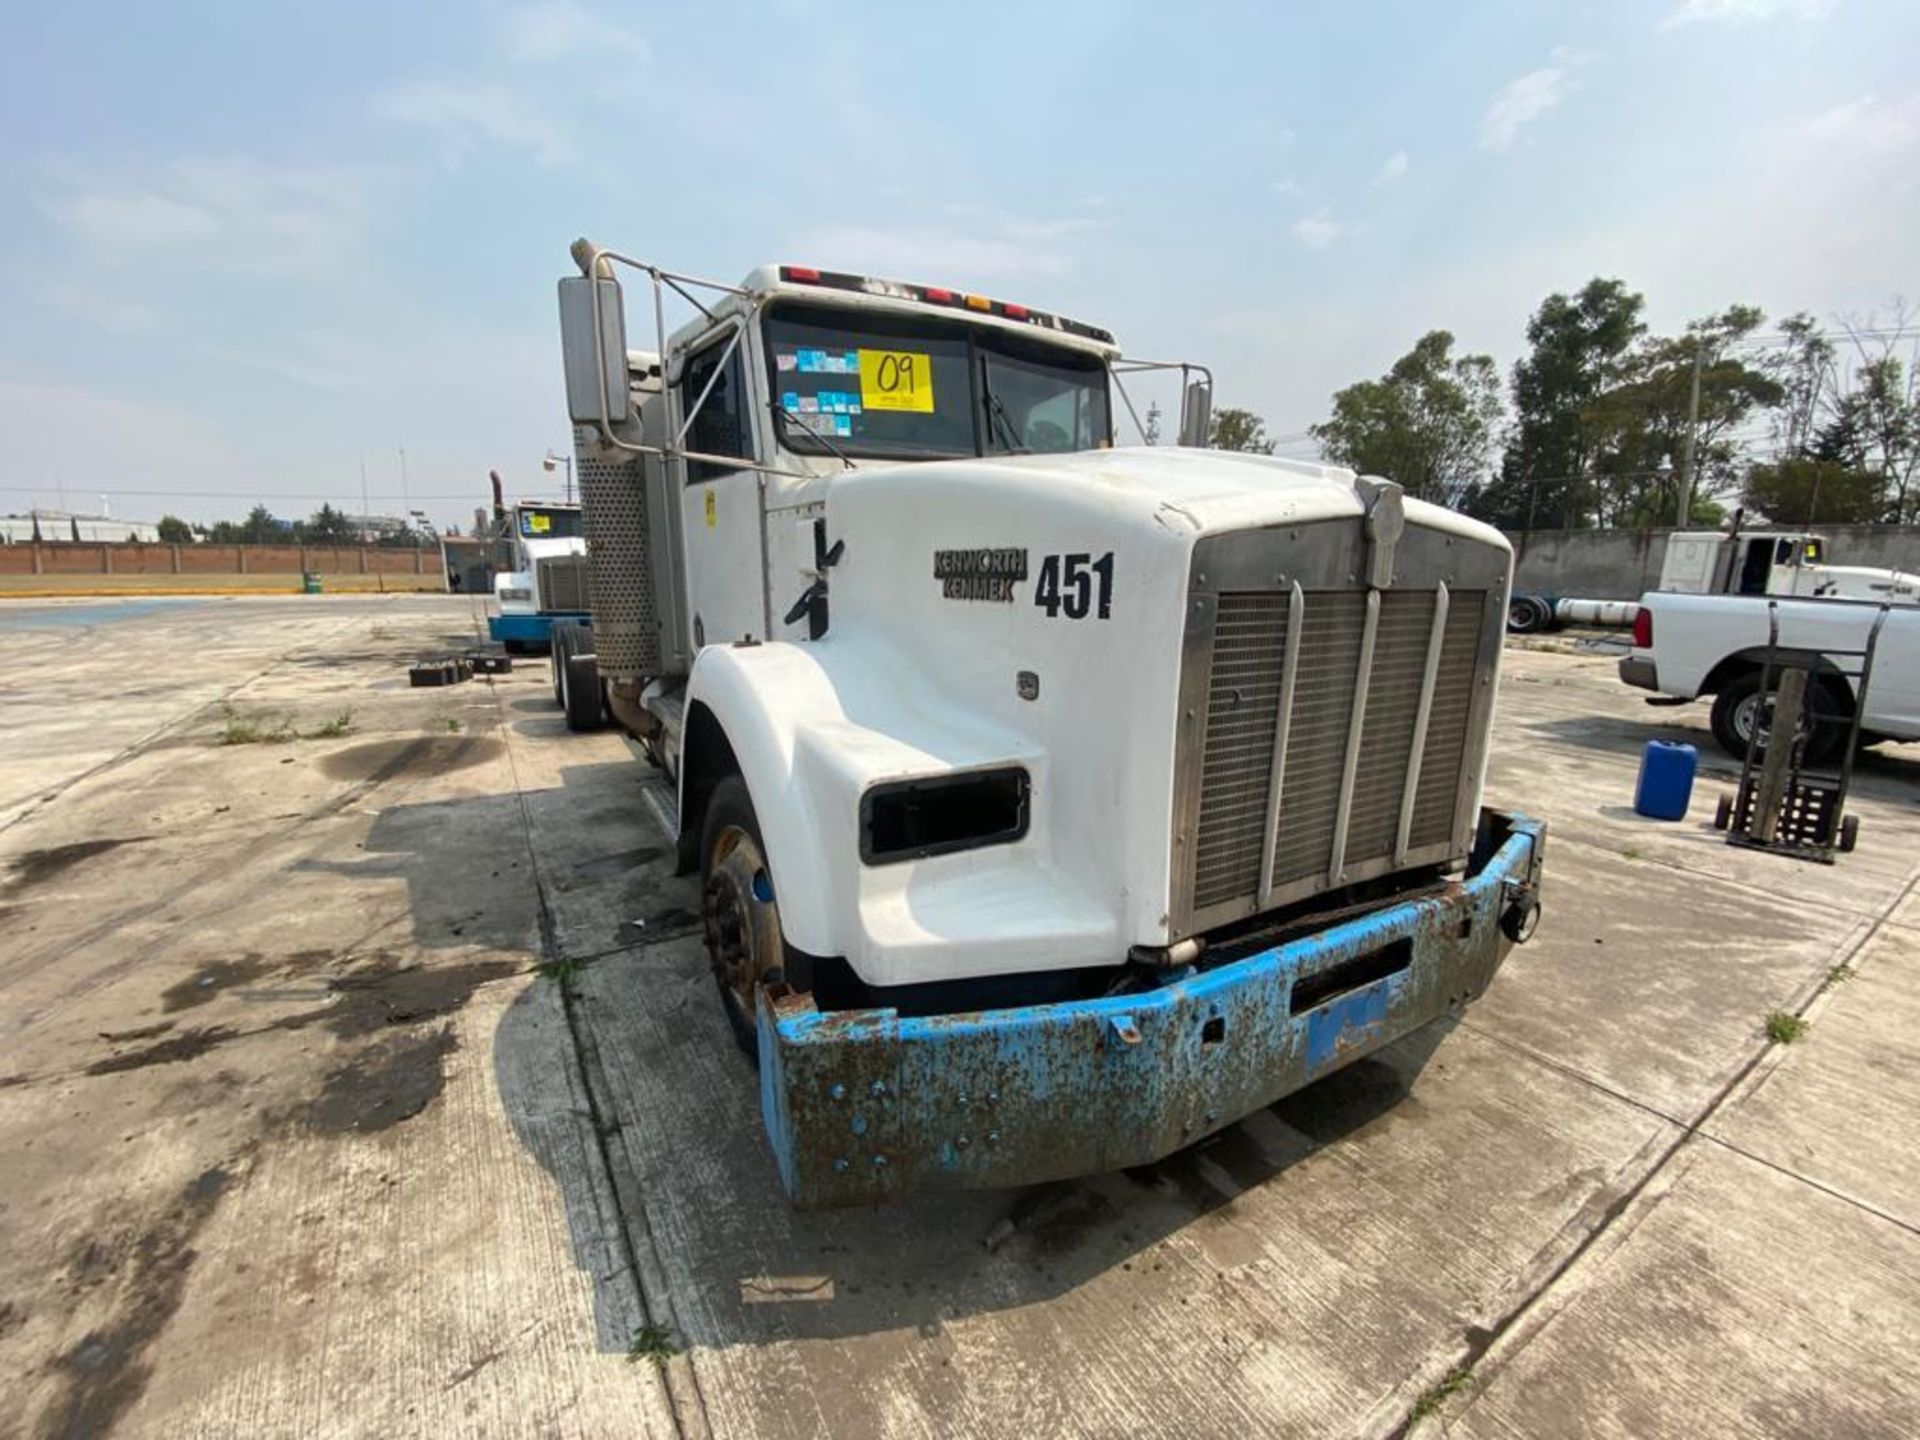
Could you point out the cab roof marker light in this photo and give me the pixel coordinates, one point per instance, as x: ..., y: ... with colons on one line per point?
x: 1013, y: 311
x: 938, y: 295
x: 979, y: 302
x: 807, y: 274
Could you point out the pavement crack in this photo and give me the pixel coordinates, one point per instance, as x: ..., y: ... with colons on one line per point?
x: 1480, y: 1341
x: 602, y: 1127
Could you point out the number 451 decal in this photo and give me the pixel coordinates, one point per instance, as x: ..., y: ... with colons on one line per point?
x: 1077, y: 585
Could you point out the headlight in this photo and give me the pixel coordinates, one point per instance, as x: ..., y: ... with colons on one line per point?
x: 912, y: 819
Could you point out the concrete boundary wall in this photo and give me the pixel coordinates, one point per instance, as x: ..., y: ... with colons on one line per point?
x: 1625, y: 564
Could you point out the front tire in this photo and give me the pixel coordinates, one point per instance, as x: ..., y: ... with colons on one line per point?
x: 741, y: 916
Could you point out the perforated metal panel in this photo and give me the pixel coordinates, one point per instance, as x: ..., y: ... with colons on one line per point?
x: 1233, y: 724
x: 626, y: 627
x: 560, y: 582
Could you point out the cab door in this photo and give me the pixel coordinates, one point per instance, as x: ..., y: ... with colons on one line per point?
x: 720, y: 504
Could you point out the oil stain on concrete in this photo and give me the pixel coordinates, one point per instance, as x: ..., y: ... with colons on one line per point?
x: 421, y: 756
x: 107, y: 1370
x: 38, y: 866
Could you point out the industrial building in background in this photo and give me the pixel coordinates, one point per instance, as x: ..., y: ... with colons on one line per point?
x: 53, y: 526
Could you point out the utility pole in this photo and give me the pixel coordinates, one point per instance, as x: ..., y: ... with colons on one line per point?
x: 365, y: 513
x: 1693, y: 424
x: 406, y: 499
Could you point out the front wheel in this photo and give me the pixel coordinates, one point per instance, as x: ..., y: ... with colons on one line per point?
x: 741, y: 916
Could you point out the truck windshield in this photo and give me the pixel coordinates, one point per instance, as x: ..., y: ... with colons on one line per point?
x: 542, y: 522
x: 902, y: 387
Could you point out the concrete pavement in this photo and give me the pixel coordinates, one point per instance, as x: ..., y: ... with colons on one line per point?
x: 300, y: 1139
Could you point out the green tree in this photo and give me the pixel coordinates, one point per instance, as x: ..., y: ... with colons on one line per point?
x: 328, y: 527
x: 1802, y: 490
x: 1640, y: 424
x: 175, y: 531
x: 1876, y: 429
x: 1803, y: 366
x: 1233, y: 429
x: 1428, y: 423
x: 1579, y: 347
x: 260, y: 528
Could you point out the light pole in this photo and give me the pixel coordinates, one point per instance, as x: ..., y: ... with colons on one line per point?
x: 553, y: 462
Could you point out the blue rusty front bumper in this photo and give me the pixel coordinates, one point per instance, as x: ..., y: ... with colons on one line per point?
x: 864, y: 1106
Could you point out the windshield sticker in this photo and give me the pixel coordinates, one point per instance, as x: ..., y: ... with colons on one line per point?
x: 538, y: 524
x: 896, y: 380
x: 821, y: 362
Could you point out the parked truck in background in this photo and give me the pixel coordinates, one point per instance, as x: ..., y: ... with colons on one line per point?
x: 1687, y: 647
x: 1055, y: 804
x: 548, y: 582
x: 1715, y: 562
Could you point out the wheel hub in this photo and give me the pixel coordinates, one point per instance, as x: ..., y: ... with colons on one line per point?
x: 742, y: 926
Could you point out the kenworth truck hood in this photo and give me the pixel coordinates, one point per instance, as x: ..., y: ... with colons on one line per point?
x: 977, y: 619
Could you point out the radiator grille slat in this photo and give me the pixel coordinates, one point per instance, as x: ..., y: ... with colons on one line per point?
x: 1249, y: 648
x: 560, y: 582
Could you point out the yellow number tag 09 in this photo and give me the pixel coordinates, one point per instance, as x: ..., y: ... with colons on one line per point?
x: 896, y: 380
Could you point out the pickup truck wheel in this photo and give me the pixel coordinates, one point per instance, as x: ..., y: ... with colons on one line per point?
x: 737, y: 905
x: 1740, y: 705
x: 1736, y: 709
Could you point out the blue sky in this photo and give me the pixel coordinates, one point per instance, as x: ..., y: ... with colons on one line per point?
x: 243, y: 247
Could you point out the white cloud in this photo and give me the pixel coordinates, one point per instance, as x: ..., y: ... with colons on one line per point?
x: 224, y: 213
x: 1288, y: 188
x: 89, y: 302
x: 1868, y: 125
x: 545, y: 34
x: 1318, y: 230
x: 1708, y: 12
x: 468, y: 113
x: 1519, y: 103
x: 1394, y: 168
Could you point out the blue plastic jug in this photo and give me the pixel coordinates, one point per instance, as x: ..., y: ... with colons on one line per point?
x: 1666, y: 780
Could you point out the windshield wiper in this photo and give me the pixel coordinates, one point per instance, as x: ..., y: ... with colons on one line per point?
x: 831, y: 448
x: 996, y: 412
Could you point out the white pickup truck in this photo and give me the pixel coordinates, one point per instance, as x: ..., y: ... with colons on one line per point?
x: 1687, y: 646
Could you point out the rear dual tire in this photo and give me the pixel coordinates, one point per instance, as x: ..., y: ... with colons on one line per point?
x: 576, y: 677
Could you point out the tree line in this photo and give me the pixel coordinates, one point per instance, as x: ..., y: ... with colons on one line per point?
x: 1603, y: 423
x: 326, y: 526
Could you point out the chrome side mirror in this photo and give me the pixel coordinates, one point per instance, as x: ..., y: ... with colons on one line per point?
x: 1196, y: 413
x: 593, y: 350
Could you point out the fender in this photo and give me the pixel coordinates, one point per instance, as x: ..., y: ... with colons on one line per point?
x: 759, y: 696
x: 811, y: 728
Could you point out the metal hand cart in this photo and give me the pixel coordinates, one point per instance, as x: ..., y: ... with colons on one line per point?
x: 1786, y: 802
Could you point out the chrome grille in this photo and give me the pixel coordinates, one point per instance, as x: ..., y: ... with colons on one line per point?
x: 560, y: 582
x: 1247, y: 654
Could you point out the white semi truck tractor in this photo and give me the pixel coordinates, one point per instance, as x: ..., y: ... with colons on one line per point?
x: 1055, y: 804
